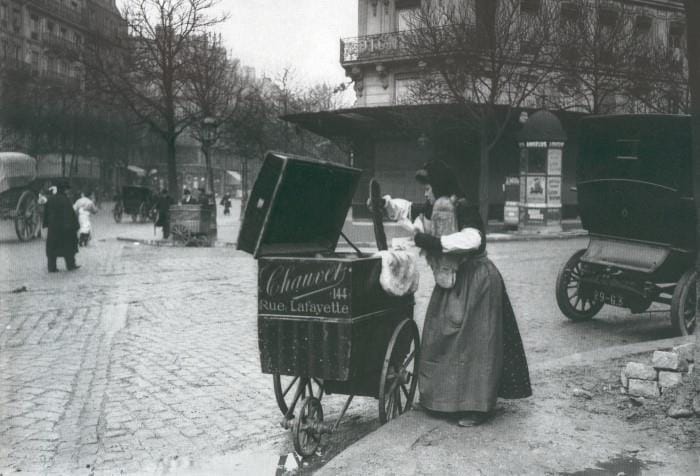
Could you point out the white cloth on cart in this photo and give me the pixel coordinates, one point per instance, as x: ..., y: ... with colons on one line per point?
x: 399, y: 275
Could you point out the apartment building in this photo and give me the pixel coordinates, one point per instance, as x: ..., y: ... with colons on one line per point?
x: 392, y: 135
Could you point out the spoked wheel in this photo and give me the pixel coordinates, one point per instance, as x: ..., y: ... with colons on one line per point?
x: 286, y: 388
x: 181, y: 233
x: 571, y: 301
x: 306, y: 431
x: 683, y: 304
x: 399, y: 378
x: 27, y: 220
x: 117, y: 213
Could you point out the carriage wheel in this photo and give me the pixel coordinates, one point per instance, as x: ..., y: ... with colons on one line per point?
x: 134, y: 217
x: 683, y: 304
x: 27, y: 220
x: 399, y: 378
x: 285, y: 389
x: 575, y: 306
x: 180, y: 233
x: 117, y: 212
x: 306, y: 432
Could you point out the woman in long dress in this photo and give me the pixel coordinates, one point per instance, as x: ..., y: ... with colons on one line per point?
x: 84, y: 207
x: 471, y: 350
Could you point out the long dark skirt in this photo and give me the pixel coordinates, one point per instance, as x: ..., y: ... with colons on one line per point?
x: 471, y: 350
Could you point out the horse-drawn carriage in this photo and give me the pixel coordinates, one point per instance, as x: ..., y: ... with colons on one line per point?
x: 634, y: 182
x: 139, y: 202
x: 19, y: 191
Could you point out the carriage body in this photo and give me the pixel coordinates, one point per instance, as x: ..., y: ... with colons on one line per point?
x: 138, y: 202
x: 19, y: 194
x: 636, y: 202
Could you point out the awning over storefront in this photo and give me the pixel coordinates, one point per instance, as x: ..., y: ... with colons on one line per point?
x: 387, y: 122
x: 378, y: 122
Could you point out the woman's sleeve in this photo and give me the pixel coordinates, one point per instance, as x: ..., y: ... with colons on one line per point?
x: 397, y: 209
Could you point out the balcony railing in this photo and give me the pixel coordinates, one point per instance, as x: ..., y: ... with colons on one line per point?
x: 374, y: 47
x: 76, y: 16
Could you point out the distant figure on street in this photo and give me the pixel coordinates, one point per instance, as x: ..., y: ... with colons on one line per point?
x: 226, y: 202
x: 163, y: 207
x: 62, y: 228
x: 202, y: 198
x: 187, y: 198
x: 84, y: 207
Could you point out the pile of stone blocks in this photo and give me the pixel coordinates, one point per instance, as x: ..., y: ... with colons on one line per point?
x: 666, y: 371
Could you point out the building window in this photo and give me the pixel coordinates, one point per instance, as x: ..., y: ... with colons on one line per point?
x: 405, y: 89
x: 676, y: 34
x: 570, y: 13
x: 405, y: 18
x: 642, y: 25
x: 531, y: 7
x: 607, y: 17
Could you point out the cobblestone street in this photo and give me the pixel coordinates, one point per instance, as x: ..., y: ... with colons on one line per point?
x: 147, y: 354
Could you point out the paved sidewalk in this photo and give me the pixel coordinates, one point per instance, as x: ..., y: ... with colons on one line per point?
x: 553, y: 432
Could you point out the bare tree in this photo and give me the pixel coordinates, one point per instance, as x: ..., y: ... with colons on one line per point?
x: 610, y: 60
x: 487, y: 56
x: 147, y: 71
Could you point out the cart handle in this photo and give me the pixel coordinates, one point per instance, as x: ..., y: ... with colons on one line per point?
x: 357, y: 250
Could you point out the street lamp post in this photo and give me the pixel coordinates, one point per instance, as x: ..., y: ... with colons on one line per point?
x: 208, y: 138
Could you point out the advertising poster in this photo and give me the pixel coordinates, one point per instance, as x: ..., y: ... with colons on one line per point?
x: 536, y: 188
x: 554, y: 162
x: 554, y: 191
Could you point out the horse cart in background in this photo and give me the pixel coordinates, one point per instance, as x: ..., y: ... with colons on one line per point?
x: 19, y: 192
x: 635, y: 198
x: 139, y: 202
x: 325, y: 324
x: 191, y: 224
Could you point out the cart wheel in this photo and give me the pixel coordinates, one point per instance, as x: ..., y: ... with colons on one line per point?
x: 399, y: 372
x: 683, y: 304
x: 117, y: 212
x: 574, y: 306
x: 306, y: 432
x: 180, y: 233
x: 285, y: 389
x: 27, y: 220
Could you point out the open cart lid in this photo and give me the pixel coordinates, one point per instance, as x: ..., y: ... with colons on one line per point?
x: 298, y: 205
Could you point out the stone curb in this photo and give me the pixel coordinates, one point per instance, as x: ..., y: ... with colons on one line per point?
x: 490, y: 238
x: 171, y: 244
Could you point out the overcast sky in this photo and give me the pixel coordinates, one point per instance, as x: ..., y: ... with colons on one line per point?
x: 304, y: 34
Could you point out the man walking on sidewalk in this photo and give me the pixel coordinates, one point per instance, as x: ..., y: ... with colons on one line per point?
x: 62, y: 228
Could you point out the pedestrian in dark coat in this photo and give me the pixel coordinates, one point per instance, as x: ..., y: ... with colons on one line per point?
x: 471, y: 350
x: 62, y: 228
x: 163, y: 206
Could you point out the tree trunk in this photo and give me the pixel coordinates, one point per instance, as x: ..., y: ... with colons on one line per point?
x: 172, y: 168
x: 484, y: 178
x: 210, y: 178
x: 244, y: 186
x: 692, y: 12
